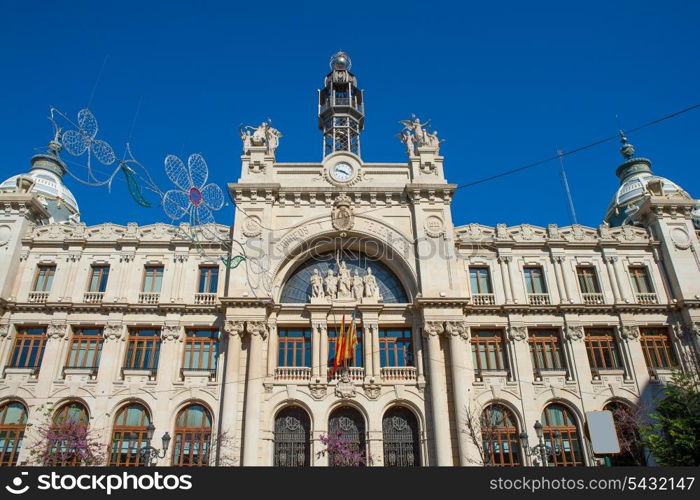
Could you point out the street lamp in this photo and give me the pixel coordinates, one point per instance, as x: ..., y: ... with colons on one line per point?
x: 542, y: 449
x: 148, y: 453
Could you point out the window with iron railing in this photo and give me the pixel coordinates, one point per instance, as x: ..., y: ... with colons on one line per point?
x: 395, y: 347
x: 602, y: 349
x: 28, y: 348
x: 44, y: 277
x: 85, y: 348
x: 208, y: 279
x: 488, y: 351
x: 98, y: 278
x: 201, y: 350
x: 545, y: 350
x: 657, y: 348
x: 294, y: 347
x: 143, y: 350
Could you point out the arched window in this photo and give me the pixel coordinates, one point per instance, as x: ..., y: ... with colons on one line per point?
x: 557, y: 418
x: 347, y: 423
x: 297, y: 289
x: 129, y: 435
x: 13, y: 421
x: 68, y: 432
x: 627, y: 419
x: 292, y: 438
x: 401, y: 442
x: 192, y: 437
x: 500, y: 437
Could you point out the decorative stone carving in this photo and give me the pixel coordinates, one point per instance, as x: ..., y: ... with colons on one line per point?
x: 372, y: 391
x: 331, y: 283
x: 553, y: 232
x: 433, y: 328
x: 358, y: 286
x: 233, y: 327
x: 459, y: 328
x: 629, y: 332
x: 318, y: 391
x: 127, y: 256
x: 344, y: 282
x: 113, y: 331
x: 257, y: 328
x: 57, y: 331
x: 434, y: 226
x: 574, y: 333
x: 680, y: 238
x: 263, y: 135
x: 316, y: 284
x: 252, y: 226
x: 342, y: 216
x: 371, y: 287
x: 604, y: 230
x: 345, y: 387
x: 4, y: 330
x: 517, y: 333
x: 5, y: 234
x: 415, y: 134
x: 171, y: 333
x: 501, y: 231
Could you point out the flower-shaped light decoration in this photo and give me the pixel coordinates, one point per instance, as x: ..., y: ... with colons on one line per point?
x: 77, y: 142
x: 193, y: 197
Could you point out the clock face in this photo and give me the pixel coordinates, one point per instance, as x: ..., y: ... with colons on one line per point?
x: 342, y: 171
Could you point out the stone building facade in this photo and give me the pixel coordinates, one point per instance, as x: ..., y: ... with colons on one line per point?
x: 130, y: 325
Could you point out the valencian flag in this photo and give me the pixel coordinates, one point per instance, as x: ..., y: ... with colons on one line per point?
x: 345, y: 345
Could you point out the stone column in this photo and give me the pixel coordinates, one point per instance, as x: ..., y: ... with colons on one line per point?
x: 376, y: 362
x: 511, y: 276
x: 315, y: 351
x: 438, y: 397
x: 458, y: 333
x: 611, y: 276
x: 503, y: 260
x: 622, y: 289
x: 322, y: 327
x: 229, y: 404
x: 53, y: 358
x: 272, y: 349
x: 257, y: 332
x: 556, y: 260
x: 418, y: 349
x: 567, y: 281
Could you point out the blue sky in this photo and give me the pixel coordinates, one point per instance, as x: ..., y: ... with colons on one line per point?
x: 505, y: 84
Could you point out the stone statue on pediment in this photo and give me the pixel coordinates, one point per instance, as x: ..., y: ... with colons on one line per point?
x: 358, y: 286
x: 344, y: 281
x: 331, y: 283
x: 371, y: 287
x: 316, y: 284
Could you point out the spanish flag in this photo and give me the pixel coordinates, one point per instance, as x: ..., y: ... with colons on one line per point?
x: 339, y: 348
x: 351, y: 342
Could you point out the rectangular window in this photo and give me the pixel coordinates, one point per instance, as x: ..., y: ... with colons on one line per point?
x: 294, y: 347
x: 545, y: 350
x: 143, y: 349
x: 640, y: 279
x: 602, y: 349
x: 85, y: 348
x: 587, y: 279
x: 534, y: 280
x: 208, y: 279
x: 28, y: 348
x: 657, y: 348
x: 395, y: 347
x: 98, y: 278
x: 488, y: 351
x: 201, y: 350
x: 333, y: 342
x: 480, y: 280
x: 44, y: 277
x: 152, y: 279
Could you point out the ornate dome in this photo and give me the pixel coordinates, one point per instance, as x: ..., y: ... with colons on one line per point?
x: 47, y: 173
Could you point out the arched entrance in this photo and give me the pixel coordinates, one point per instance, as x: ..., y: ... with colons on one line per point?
x: 347, y: 424
x: 292, y: 438
x: 401, y: 441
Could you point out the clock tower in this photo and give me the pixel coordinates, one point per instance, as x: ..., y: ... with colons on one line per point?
x: 341, y: 109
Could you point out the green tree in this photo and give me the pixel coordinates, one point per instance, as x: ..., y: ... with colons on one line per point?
x: 673, y: 435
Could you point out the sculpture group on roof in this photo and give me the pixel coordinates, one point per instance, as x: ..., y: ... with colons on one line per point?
x: 344, y: 285
x: 263, y: 135
x: 415, y: 134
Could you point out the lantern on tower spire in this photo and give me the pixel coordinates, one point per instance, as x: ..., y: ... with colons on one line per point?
x: 341, y: 110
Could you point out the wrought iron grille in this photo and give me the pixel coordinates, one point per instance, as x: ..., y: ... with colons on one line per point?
x: 349, y: 424
x: 401, y: 443
x: 292, y: 445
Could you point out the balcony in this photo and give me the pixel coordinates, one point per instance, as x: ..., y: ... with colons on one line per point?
x: 198, y: 374
x: 355, y: 372
x: 483, y: 299
x: 93, y: 297
x: 293, y: 373
x: 538, y: 299
x: 80, y: 373
x: 398, y: 373
x: 148, y: 298
x: 592, y: 299
x: 647, y: 298
x: 38, y: 297
x: 138, y: 375
x: 205, y: 299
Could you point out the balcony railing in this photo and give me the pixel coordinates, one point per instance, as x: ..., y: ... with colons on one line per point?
x: 38, y: 297
x: 355, y: 372
x: 538, y: 299
x: 398, y: 372
x: 592, y: 298
x: 293, y: 373
x: 205, y: 299
x: 93, y: 297
x: 148, y: 298
x: 647, y: 298
x: 483, y: 299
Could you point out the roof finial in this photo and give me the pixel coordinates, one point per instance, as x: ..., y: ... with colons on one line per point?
x: 55, y: 145
x: 627, y: 150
